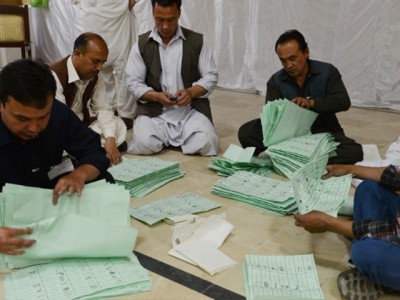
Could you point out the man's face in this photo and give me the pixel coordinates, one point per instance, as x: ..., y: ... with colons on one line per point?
x: 89, y: 62
x: 166, y: 19
x: 25, y: 122
x: 293, y: 60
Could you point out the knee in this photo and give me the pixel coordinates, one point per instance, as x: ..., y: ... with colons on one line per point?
x: 205, y: 143
x: 368, y: 187
x: 145, y: 144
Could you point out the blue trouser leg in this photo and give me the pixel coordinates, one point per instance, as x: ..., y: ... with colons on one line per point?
x: 377, y: 259
x: 374, y: 202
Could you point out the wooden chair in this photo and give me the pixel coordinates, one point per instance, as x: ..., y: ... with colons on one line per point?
x: 14, y: 29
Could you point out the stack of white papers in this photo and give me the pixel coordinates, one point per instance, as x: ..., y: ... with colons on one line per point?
x: 236, y: 159
x: 271, y: 195
x: 197, y: 243
x: 142, y: 176
x: 281, y: 277
x: 78, y: 278
x: 289, y: 156
x: 281, y: 120
x: 97, y: 224
x: 173, y: 206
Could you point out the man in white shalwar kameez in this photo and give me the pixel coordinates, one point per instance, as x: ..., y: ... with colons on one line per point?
x: 172, y: 72
x: 114, y: 21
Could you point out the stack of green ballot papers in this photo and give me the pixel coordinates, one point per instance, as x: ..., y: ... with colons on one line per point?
x: 271, y: 195
x: 142, y: 176
x: 289, y: 277
x: 281, y: 120
x: 289, y: 156
x: 78, y: 278
x: 236, y: 159
x: 179, y: 205
x: 96, y: 224
x: 313, y: 193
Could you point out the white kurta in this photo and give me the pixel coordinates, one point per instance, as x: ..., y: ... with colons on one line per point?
x: 176, y: 126
x: 113, y: 21
x: 107, y: 124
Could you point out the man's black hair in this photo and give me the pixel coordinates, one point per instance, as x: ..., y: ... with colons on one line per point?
x: 29, y: 82
x: 167, y: 3
x: 290, y: 35
x: 83, y: 40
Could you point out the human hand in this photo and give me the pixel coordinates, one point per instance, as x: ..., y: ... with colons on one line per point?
x: 314, y: 221
x: 303, y: 102
x: 112, y: 151
x: 184, y: 98
x: 71, y: 183
x: 11, y: 244
x: 166, y: 99
x: 337, y: 170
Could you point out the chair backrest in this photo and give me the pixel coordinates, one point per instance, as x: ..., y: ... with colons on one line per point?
x: 14, y: 29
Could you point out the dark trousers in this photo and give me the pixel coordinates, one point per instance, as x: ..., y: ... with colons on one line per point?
x: 348, y: 151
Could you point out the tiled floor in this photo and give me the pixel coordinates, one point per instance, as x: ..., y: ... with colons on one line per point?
x: 255, y: 231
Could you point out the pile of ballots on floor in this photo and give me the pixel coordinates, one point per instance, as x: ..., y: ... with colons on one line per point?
x: 286, y: 131
x: 281, y: 277
x: 296, y: 154
x: 236, y: 159
x: 80, y: 243
x: 142, y: 176
x: 306, y: 192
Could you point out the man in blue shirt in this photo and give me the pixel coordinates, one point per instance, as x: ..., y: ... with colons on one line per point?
x: 35, y: 131
x: 310, y: 84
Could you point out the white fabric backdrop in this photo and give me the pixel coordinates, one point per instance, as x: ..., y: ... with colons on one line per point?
x: 360, y: 37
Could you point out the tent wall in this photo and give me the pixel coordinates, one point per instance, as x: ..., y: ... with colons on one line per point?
x: 360, y: 37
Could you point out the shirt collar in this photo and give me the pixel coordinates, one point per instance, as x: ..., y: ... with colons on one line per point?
x: 72, y: 73
x: 156, y: 36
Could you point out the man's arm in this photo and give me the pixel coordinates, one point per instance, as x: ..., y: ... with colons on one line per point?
x: 103, y: 108
x: 207, y: 82
x: 337, y: 99
x: 360, y: 172
x: 316, y: 222
x: 74, y: 181
x: 273, y: 92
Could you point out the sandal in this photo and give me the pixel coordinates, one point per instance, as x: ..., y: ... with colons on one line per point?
x: 353, y: 285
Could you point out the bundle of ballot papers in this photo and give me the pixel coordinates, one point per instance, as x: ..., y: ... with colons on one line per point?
x: 281, y: 277
x: 269, y: 194
x: 78, y: 278
x: 313, y: 193
x: 289, y: 156
x: 95, y: 224
x: 281, y: 120
x: 144, y: 175
x: 174, y: 206
x: 236, y: 159
x: 198, y: 242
